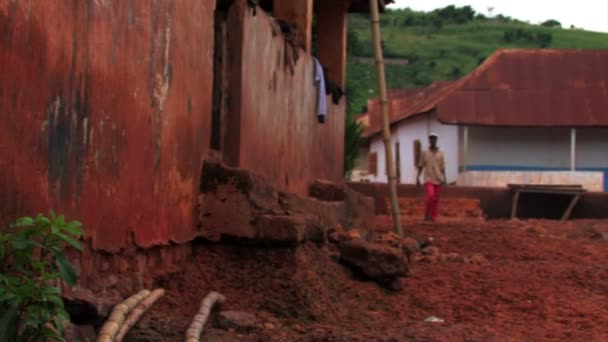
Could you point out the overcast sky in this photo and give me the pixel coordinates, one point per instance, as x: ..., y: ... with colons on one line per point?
x: 590, y: 15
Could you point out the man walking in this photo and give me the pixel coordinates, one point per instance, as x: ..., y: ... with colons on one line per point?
x: 433, y: 164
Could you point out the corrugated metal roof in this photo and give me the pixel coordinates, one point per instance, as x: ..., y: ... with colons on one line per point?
x: 406, y: 103
x: 514, y: 87
x: 545, y: 88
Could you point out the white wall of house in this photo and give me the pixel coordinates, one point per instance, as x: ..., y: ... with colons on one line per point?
x: 495, y: 148
x: 408, y: 131
x: 512, y: 148
x: 592, y: 148
x: 537, y: 150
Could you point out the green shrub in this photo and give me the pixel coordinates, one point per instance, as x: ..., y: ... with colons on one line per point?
x: 32, y: 261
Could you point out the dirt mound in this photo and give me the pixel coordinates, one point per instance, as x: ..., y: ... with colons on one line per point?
x: 299, y: 285
x: 543, y: 280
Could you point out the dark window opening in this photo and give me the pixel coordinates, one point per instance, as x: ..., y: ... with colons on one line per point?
x: 266, y: 5
x: 219, y: 72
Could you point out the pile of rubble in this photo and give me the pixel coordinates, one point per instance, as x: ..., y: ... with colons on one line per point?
x: 237, y: 204
x: 423, y: 251
x: 378, y: 262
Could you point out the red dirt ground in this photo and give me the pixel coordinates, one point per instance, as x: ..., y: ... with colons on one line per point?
x: 545, y: 281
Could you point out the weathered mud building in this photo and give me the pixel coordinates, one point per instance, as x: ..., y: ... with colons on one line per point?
x: 109, y: 107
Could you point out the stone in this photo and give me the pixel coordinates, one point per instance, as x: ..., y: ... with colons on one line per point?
x: 237, y: 320
x: 333, y: 237
x: 353, y: 234
x: 411, y: 245
x: 427, y: 242
x: 269, y: 326
x: 327, y: 191
x: 333, y: 234
x: 238, y: 204
x: 374, y: 261
x: 478, y: 259
x: 314, y: 232
x: 431, y: 259
x: 230, y: 214
x: 289, y: 229
x: 391, y: 238
x: 360, y: 210
x: 298, y: 328
x: 431, y: 251
x: 455, y: 257
x: 537, y: 231
x: 598, y: 234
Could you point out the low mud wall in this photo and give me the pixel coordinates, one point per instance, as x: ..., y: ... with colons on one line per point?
x: 496, y: 202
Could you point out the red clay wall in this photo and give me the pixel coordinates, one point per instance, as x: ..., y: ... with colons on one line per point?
x: 273, y: 129
x: 106, y: 114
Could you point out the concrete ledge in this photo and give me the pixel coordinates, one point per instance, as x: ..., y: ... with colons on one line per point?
x: 591, y: 181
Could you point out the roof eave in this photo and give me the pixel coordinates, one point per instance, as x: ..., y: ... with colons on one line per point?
x: 362, y: 6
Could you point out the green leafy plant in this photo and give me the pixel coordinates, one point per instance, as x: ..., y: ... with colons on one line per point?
x: 32, y: 262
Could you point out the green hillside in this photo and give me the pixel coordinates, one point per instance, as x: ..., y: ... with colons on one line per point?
x: 444, y: 44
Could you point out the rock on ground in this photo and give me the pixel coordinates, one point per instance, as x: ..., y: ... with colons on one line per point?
x: 377, y: 262
x: 237, y: 320
x: 431, y: 251
x: 411, y: 245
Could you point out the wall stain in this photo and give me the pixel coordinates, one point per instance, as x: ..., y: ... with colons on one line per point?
x: 160, y: 71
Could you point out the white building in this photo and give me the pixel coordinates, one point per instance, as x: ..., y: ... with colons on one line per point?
x: 524, y: 116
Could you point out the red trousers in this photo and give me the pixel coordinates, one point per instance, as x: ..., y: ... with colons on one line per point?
x: 431, y: 210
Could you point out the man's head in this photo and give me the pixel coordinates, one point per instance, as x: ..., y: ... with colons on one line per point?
x: 433, y: 140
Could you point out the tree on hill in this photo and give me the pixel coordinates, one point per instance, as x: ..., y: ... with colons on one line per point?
x: 552, y: 23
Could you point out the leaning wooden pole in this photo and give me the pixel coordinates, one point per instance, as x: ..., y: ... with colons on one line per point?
x: 386, y: 130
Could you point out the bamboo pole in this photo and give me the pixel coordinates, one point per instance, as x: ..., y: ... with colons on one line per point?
x: 193, y: 334
x: 386, y: 130
x: 137, y: 312
x: 118, y: 316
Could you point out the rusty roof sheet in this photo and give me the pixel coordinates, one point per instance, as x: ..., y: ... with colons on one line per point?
x: 545, y: 88
x: 406, y: 103
x: 515, y: 87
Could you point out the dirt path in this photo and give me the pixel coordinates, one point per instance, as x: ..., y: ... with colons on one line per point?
x: 544, y: 281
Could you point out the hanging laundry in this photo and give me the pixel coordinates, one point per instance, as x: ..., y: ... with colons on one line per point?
x: 319, y: 79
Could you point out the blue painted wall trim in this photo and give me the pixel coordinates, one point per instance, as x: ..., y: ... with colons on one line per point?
x: 535, y: 168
